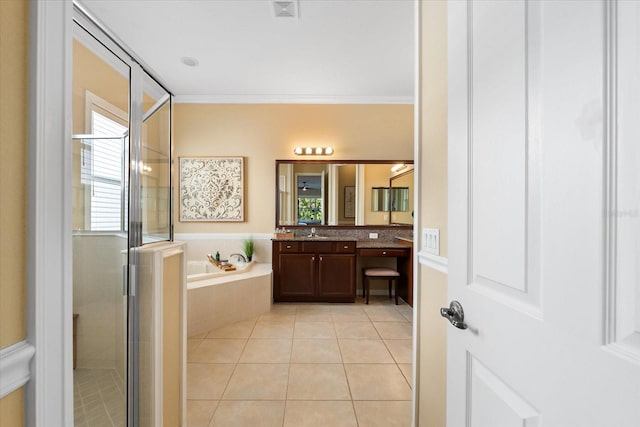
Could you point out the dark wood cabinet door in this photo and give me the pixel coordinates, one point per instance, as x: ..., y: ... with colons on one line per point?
x: 297, y: 275
x: 336, y: 275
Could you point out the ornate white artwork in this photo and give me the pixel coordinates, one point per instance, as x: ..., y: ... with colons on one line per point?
x: 211, y: 189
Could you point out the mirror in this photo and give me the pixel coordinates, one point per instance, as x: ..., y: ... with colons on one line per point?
x: 401, y: 198
x: 343, y: 193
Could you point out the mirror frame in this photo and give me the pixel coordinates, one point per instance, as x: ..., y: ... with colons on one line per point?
x: 345, y: 162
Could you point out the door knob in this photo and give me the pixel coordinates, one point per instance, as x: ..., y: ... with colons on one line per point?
x: 455, y: 314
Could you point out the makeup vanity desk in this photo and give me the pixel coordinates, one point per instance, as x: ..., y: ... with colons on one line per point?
x: 402, y: 250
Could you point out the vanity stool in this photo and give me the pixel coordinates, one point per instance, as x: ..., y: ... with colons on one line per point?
x: 379, y: 273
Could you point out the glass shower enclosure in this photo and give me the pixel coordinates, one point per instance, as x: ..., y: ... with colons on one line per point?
x: 121, y: 127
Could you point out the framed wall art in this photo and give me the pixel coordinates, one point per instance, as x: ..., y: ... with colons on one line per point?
x: 349, y: 202
x: 212, y: 189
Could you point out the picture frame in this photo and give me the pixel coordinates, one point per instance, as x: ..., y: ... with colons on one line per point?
x: 212, y: 189
x: 349, y: 201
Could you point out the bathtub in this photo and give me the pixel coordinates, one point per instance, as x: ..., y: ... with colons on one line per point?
x: 201, y: 270
x: 217, y: 298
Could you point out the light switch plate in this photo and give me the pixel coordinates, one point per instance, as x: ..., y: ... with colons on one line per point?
x: 431, y: 240
x: 373, y: 235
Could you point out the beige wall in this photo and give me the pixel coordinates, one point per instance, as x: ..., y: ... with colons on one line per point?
x: 14, y: 74
x: 11, y: 407
x: 266, y: 132
x: 433, y: 210
x: 172, y: 339
x: 91, y: 73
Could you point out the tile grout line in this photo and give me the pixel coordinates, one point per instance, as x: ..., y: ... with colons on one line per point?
x: 286, y: 394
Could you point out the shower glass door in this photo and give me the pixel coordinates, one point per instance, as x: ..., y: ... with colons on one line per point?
x: 155, y: 180
x: 100, y: 123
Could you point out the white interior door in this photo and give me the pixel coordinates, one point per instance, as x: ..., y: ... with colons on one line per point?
x: 544, y: 206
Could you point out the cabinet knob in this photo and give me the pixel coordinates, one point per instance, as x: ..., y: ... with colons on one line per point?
x: 346, y: 246
x: 288, y: 246
x: 384, y: 252
x: 320, y: 258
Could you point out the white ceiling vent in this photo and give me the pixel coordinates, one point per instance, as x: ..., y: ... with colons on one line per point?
x: 285, y: 8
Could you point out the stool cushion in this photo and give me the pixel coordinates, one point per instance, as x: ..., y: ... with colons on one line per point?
x: 380, y: 272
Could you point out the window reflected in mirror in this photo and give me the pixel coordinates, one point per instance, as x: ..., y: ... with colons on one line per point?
x: 309, y: 200
x: 402, y: 198
x: 380, y: 197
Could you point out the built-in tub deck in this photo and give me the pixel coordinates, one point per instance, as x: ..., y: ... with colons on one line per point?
x: 217, y: 301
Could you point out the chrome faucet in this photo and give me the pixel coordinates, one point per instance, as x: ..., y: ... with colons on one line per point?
x: 313, y: 232
x: 240, y: 256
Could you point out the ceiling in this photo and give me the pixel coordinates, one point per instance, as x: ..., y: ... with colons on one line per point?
x: 334, y: 51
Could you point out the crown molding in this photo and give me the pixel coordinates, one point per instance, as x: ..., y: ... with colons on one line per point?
x: 290, y: 99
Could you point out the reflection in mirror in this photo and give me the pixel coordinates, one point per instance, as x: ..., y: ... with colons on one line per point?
x: 341, y: 193
x: 399, y: 199
x: 379, y: 199
x: 309, y: 200
x: 402, y: 198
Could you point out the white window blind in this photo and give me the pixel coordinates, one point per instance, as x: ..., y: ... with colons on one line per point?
x: 102, y: 168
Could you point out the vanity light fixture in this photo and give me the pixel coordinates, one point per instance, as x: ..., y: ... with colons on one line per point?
x: 398, y: 167
x: 313, y: 151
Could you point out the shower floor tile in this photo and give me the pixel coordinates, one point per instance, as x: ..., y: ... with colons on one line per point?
x: 99, y: 398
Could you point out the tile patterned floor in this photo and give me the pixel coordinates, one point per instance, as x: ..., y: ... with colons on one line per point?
x: 98, y: 396
x: 305, y: 365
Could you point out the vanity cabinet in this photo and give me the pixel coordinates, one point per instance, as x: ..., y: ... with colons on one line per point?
x: 314, y: 271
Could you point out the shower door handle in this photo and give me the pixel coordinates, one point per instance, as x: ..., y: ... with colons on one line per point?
x: 124, y: 280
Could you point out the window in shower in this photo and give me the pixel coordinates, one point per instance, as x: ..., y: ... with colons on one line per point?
x: 102, y: 170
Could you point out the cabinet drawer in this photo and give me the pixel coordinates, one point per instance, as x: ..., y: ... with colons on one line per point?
x: 383, y: 252
x: 288, y: 246
x: 316, y: 246
x: 345, y: 247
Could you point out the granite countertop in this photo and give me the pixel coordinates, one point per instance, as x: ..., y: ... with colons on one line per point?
x: 317, y: 239
x: 375, y: 244
x: 406, y: 239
